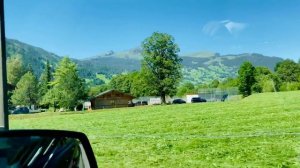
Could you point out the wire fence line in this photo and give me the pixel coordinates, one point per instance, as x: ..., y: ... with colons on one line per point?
x: 217, y: 94
x: 189, y: 136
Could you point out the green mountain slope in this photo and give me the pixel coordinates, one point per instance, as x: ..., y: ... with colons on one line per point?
x: 205, y: 69
x: 31, y: 55
x: 198, y: 67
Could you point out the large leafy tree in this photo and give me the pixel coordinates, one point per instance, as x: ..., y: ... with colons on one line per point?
x: 139, y: 86
x: 246, y: 78
x: 186, y: 88
x: 133, y: 83
x: 288, y: 71
x: 214, y: 84
x: 94, y: 90
x: 265, y: 80
x: 15, y: 69
x: 67, y: 87
x: 229, y: 83
x: 121, y: 82
x: 161, y: 64
x: 44, y: 83
x: 26, y: 91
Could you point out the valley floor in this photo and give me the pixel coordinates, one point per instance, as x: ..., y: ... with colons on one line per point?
x: 262, y: 130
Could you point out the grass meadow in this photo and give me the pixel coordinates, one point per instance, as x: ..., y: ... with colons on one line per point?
x: 262, y: 130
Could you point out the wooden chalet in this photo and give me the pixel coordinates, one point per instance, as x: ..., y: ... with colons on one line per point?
x: 111, y: 99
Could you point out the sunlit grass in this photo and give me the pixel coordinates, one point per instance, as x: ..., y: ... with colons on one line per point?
x: 262, y: 130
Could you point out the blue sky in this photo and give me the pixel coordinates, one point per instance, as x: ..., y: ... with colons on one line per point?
x: 85, y: 28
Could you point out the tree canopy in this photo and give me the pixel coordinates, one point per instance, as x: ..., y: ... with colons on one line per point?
x: 44, y: 83
x: 26, y: 91
x: 263, y: 80
x: 246, y: 78
x: 133, y: 83
x: 186, y: 88
x: 67, y: 87
x: 122, y: 82
x: 15, y: 69
x: 288, y: 71
x: 161, y: 64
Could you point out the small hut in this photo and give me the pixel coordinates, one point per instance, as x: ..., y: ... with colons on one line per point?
x: 111, y: 99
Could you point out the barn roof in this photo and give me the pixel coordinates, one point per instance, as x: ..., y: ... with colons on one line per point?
x: 109, y: 91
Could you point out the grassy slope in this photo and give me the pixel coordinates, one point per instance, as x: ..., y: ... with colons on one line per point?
x: 259, y: 131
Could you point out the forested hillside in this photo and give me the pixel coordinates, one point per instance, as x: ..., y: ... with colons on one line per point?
x: 199, y: 67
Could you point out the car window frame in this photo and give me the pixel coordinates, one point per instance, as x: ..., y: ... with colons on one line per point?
x: 4, y: 125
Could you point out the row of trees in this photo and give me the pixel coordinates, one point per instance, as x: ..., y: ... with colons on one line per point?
x: 251, y: 79
x: 61, y: 87
x: 160, y: 75
x: 286, y: 77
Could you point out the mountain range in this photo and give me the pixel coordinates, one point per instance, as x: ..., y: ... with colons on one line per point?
x: 198, y: 67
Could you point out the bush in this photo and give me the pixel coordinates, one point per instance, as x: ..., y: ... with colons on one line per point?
x: 268, y: 86
x: 290, y: 86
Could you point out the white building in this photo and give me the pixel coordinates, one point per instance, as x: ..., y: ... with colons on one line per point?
x: 154, y: 101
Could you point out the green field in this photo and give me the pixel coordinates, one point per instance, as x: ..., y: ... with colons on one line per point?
x: 262, y: 130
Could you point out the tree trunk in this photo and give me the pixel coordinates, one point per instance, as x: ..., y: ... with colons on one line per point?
x: 163, y: 98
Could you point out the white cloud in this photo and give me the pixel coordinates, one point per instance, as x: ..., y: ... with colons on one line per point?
x: 211, y: 28
x: 233, y: 27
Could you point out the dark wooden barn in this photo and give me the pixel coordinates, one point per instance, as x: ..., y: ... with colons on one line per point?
x: 111, y: 99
